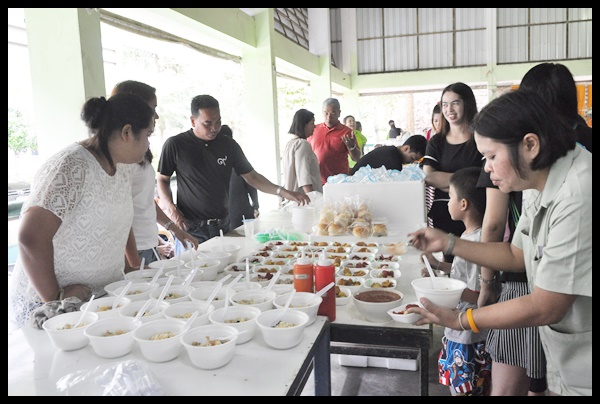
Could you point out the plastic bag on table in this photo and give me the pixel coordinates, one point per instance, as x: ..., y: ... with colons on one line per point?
x: 128, y: 378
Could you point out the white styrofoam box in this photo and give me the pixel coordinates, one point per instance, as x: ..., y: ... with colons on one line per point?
x: 402, y: 203
x: 378, y: 362
x: 402, y: 364
x: 354, y: 360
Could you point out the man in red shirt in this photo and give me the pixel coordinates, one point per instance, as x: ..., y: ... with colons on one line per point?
x: 333, y: 141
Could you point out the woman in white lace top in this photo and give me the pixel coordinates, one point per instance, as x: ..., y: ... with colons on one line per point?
x: 75, y: 224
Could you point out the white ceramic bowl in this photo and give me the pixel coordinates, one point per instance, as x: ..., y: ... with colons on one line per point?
x: 242, y: 318
x: 137, y: 291
x: 151, y: 313
x: 198, y: 343
x: 361, y: 257
x: 284, y: 337
x: 233, y: 249
x: 303, y: 301
x: 447, y: 291
x: 167, y: 264
x: 397, y: 314
x: 201, y: 294
x: 63, y: 336
x: 184, y: 310
x: 344, y: 297
x: 380, y: 283
x: 377, y: 303
x: 144, y: 274
x: 388, y: 273
x: 159, y: 340
x: 175, y: 293
x: 253, y: 259
x: 259, y: 298
x: 103, y: 306
x: 354, y: 283
x: 112, y: 337
x: 208, y: 266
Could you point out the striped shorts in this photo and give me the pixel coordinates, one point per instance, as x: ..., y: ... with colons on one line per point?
x: 519, y: 346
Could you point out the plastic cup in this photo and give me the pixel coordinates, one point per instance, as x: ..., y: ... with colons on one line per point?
x: 248, y: 227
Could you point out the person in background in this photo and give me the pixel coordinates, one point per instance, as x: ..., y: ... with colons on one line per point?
x: 555, y: 83
x: 451, y: 149
x: 436, y: 122
x: 393, y: 157
x: 300, y: 164
x: 529, y: 148
x: 203, y: 162
x: 394, y: 131
x: 333, y: 141
x: 436, y: 127
x: 144, y: 241
x: 77, y: 218
x: 243, y: 197
x: 519, y: 362
x: 467, y: 204
x: 350, y: 122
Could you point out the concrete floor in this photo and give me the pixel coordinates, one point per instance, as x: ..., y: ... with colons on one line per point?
x: 374, y: 381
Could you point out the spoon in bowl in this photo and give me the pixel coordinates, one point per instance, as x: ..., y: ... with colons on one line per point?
x: 285, y: 309
x: 142, y: 310
x: 273, y: 281
x: 189, y: 321
x: 123, y: 293
x: 430, y: 270
x: 325, y: 289
x: 84, y: 311
x: 163, y: 292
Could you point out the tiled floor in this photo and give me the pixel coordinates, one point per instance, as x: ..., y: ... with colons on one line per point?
x: 373, y: 381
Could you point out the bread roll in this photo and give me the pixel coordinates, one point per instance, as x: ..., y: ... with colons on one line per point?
x: 336, y: 228
x: 380, y: 229
x: 322, y: 228
x: 361, y: 231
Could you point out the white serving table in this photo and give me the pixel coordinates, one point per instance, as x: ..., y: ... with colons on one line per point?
x: 351, y: 333
x: 34, y: 365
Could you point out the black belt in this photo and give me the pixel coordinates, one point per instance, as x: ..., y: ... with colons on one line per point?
x: 208, y: 222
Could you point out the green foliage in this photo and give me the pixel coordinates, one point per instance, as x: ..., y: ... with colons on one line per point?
x: 19, y: 139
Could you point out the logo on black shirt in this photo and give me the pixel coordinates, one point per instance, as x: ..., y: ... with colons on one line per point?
x: 222, y: 161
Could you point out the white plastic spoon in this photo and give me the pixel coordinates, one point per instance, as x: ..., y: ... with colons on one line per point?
x: 157, y: 275
x: 430, y: 270
x: 123, y: 292
x: 142, y: 263
x: 213, y: 294
x: 190, y: 278
x: 163, y: 292
x: 189, y: 321
x: 273, y: 281
x: 84, y: 311
x: 324, y: 290
x: 142, y: 310
x: 233, y: 282
x: 285, y: 308
x: 247, y: 270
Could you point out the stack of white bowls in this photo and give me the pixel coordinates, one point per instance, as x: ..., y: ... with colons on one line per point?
x: 303, y: 218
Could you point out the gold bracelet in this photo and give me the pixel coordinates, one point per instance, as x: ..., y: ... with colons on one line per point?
x: 460, y: 313
x: 487, y: 281
x: 472, y: 321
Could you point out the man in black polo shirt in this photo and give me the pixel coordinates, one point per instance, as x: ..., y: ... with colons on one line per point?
x: 393, y: 157
x: 203, y: 162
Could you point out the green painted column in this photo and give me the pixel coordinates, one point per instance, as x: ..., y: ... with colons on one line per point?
x: 65, y: 53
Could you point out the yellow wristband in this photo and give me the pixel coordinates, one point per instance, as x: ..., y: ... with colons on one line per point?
x: 472, y: 321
